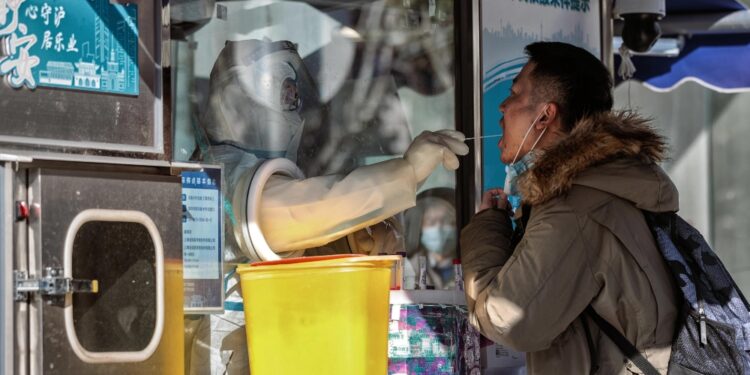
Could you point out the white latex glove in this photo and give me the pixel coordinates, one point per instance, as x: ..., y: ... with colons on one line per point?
x: 432, y: 148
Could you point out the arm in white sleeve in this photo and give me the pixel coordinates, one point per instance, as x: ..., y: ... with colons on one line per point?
x: 297, y: 214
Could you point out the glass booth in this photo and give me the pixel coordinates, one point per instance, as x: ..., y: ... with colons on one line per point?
x: 339, y: 84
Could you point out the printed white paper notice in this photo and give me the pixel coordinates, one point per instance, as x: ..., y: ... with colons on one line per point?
x: 201, y: 225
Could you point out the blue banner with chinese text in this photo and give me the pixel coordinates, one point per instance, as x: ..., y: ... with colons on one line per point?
x: 88, y: 45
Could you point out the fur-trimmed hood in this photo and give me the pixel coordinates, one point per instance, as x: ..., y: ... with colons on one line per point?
x: 616, y: 152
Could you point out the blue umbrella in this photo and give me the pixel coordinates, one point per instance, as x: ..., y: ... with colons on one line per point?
x: 702, y: 6
x: 719, y: 60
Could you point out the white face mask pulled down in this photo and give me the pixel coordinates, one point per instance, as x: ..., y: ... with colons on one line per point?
x: 517, y: 167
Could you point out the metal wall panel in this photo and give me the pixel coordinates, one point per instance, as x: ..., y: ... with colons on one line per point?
x: 6, y: 271
x: 106, y: 320
x: 85, y: 124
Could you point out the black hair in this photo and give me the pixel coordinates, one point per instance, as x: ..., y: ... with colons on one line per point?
x: 571, y: 77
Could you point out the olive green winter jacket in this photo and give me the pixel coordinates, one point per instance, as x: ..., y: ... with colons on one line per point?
x: 585, y: 242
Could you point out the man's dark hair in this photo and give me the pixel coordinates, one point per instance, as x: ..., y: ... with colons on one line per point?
x: 571, y: 77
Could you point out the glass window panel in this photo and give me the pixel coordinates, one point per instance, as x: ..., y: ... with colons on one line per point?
x: 363, y: 77
x: 122, y: 315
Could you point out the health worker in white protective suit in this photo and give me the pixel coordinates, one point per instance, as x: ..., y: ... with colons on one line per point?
x: 253, y: 125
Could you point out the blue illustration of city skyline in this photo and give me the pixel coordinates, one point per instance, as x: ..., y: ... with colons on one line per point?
x: 107, y: 43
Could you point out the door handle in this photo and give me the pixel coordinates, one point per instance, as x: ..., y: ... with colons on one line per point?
x: 51, y: 284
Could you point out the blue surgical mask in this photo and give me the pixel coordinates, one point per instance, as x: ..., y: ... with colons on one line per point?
x: 517, y: 167
x: 515, y: 170
x: 438, y: 239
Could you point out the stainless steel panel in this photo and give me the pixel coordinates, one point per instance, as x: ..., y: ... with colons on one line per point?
x: 120, y: 317
x: 20, y: 260
x: 6, y: 269
x: 77, y: 122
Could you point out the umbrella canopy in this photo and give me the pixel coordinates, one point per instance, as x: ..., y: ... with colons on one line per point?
x: 702, y: 6
x: 715, y: 47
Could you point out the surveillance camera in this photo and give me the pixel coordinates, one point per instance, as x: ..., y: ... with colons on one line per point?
x: 188, y: 16
x: 641, y: 28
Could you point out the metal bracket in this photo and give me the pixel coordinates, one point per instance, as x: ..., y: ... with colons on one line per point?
x: 52, y: 284
x: 15, y: 159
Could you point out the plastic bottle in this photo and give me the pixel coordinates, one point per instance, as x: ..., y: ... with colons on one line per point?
x: 422, y: 272
x: 409, y: 280
x: 458, y: 274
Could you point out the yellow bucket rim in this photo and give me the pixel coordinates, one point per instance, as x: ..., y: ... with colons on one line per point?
x: 379, y: 261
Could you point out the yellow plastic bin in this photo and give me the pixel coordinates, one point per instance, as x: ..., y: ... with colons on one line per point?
x: 317, y: 315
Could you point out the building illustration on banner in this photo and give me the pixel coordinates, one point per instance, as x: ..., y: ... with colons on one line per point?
x: 84, y: 45
x: 86, y: 76
x: 57, y: 73
x: 107, y: 67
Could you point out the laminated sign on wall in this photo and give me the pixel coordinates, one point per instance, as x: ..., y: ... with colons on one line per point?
x: 202, y: 240
x: 88, y: 45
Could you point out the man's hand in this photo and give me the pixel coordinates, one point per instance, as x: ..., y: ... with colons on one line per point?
x: 494, y: 198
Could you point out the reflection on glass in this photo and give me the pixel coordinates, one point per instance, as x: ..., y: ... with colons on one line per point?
x: 122, y: 315
x: 380, y: 73
x: 432, y: 233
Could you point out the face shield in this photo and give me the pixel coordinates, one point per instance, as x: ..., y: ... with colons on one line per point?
x: 258, y: 96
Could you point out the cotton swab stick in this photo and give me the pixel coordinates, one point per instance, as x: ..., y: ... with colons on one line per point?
x: 485, y: 136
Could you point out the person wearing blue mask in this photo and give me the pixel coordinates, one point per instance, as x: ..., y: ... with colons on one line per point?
x: 431, y: 232
x: 582, y: 174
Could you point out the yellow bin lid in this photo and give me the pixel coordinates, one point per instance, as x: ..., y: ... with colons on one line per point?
x: 324, y: 261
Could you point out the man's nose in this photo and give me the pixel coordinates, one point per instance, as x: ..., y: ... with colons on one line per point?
x: 502, y: 106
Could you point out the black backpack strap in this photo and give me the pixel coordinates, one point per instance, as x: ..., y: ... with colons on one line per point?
x: 625, y: 346
x: 594, y: 367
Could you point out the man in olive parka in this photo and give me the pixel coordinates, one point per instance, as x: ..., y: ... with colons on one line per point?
x: 584, y: 173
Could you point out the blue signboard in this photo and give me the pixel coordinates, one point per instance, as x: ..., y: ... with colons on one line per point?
x: 202, y: 239
x: 88, y: 45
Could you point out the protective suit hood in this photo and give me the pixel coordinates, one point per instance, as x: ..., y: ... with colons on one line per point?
x: 257, y: 93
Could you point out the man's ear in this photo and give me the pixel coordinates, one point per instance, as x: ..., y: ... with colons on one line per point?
x: 550, y: 116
